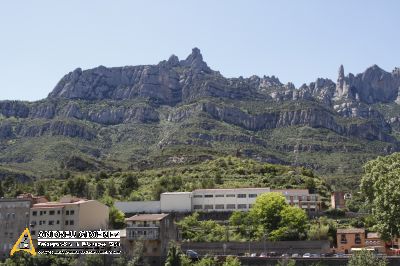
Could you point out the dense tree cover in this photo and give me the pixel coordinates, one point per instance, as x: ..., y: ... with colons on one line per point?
x: 201, y: 231
x: 366, y: 258
x: 272, y: 216
x: 381, y: 188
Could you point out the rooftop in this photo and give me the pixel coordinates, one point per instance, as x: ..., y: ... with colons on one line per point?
x: 176, y: 193
x: 373, y: 235
x: 232, y: 189
x: 351, y: 231
x: 147, y: 217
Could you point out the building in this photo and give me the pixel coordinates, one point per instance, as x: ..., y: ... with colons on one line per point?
x: 69, y: 213
x: 138, y: 206
x: 14, y: 218
x: 373, y: 241
x: 350, y: 238
x: 34, y: 199
x: 152, y: 232
x: 220, y: 200
x: 241, y: 199
x: 338, y: 199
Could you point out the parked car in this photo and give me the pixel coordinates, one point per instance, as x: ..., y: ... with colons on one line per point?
x: 191, y: 254
x: 253, y: 255
x: 285, y: 255
x: 314, y: 255
x: 263, y: 255
x: 295, y: 255
x: 306, y: 255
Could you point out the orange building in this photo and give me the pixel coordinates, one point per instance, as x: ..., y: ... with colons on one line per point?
x: 350, y: 238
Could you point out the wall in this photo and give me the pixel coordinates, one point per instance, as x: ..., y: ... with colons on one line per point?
x: 93, y: 215
x: 236, y: 248
x: 176, y: 202
x: 138, y: 206
x: 14, y: 218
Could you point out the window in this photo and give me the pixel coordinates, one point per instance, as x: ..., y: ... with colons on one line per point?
x: 66, y: 222
x: 66, y: 212
x: 219, y: 195
x: 41, y: 213
x: 242, y: 206
x: 343, y: 239
x: 208, y: 196
x: 197, y: 207
x: 230, y: 195
x: 154, y: 249
x: 71, y: 212
x: 33, y: 232
x: 42, y: 222
x: 230, y: 206
x: 357, y: 239
x: 58, y: 221
x: 51, y: 212
x: 197, y: 196
x: 252, y: 195
x: 208, y: 207
x: 219, y: 206
x: 250, y: 205
x: 51, y: 222
x: 241, y: 196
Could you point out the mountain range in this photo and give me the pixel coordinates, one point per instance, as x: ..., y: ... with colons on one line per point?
x: 182, y: 112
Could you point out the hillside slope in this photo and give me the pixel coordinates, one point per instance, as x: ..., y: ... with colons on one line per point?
x: 181, y: 111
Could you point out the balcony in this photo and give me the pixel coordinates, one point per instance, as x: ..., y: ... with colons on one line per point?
x: 143, y: 233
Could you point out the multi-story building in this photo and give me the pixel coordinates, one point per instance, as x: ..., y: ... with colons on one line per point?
x: 235, y: 199
x: 350, y: 238
x: 300, y: 198
x: 338, y: 199
x: 14, y: 218
x: 152, y: 233
x: 69, y: 213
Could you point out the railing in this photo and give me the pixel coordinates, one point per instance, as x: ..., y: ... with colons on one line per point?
x: 142, y: 233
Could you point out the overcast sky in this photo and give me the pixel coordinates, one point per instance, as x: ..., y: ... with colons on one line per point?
x: 297, y: 40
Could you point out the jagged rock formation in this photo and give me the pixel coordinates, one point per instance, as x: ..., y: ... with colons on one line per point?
x: 150, y: 109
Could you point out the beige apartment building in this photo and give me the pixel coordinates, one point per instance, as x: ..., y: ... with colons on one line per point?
x: 69, y: 213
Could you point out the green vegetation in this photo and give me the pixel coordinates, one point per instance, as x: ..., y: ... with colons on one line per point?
x: 381, y: 187
x: 366, y: 258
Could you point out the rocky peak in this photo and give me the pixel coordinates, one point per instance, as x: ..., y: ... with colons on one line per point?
x: 195, y: 62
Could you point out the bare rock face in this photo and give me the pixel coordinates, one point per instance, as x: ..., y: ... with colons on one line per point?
x: 372, y: 86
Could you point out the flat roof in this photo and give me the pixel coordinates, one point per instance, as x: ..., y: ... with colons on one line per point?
x: 351, y: 231
x: 230, y: 189
x: 176, y: 193
x: 147, y: 217
x: 53, y: 204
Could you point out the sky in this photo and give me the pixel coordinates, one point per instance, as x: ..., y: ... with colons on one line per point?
x: 297, y: 41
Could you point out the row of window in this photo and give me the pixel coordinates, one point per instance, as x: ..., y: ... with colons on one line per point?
x: 51, y: 222
x: 226, y: 195
x: 302, y: 198
x: 68, y: 212
x: 222, y: 206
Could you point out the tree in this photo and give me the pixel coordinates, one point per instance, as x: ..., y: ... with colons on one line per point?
x: 1, y: 190
x: 366, y: 258
x: 292, y: 225
x: 116, y: 218
x: 286, y: 262
x: 271, y: 215
x: 111, y: 188
x: 231, y: 261
x: 129, y: 183
x: 381, y: 188
x: 173, y: 256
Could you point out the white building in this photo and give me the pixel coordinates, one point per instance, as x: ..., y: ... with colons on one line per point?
x: 223, y: 200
